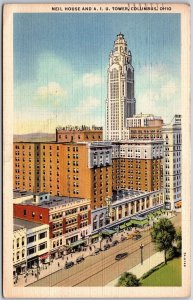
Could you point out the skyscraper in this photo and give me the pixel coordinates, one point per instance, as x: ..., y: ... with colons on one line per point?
x: 120, y: 102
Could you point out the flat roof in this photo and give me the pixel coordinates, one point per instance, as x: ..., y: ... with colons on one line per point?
x: 19, y: 224
x: 124, y: 193
x: 20, y: 194
x: 52, y: 202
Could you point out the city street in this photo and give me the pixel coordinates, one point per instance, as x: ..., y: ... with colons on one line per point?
x: 100, y: 269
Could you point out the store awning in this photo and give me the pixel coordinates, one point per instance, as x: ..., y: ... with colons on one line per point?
x: 44, y: 256
x: 108, y: 232
x: 122, y: 226
x: 129, y: 223
x: 140, y: 222
x: 95, y: 236
x: 77, y: 243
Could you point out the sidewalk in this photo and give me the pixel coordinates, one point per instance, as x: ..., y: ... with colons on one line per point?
x: 139, y: 270
x: 59, y: 263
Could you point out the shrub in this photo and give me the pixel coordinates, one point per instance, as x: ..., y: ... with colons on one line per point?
x: 151, y: 271
x: 128, y: 279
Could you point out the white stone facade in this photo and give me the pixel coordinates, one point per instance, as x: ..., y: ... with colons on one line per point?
x: 138, y: 149
x: 172, y: 164
x: 99, y: 154
x: 120, y: 103
x: 19, y: 249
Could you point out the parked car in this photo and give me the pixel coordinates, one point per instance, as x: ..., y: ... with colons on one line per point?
x: 106, y: 247
x: 137, y: 237
x: 96, y: 251
x: 114, y: 243
x: 79, y: 259
x: 69, y: 264
x: 121, y: 255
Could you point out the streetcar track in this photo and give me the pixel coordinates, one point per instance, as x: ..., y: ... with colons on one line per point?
x: 105, y: 267
x: 94, y: 265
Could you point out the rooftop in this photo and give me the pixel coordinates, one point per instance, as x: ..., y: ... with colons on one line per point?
x: 53, y: 202
x: 20, y: 193
x: 124, y: 193
x: 20, y: 224
x: 79, y: 128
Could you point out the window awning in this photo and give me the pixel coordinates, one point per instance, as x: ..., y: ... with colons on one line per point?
x: 108, y: 232
x: 77, y: 243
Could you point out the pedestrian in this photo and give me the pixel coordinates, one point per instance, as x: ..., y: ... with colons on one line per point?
x: 32, y: 272
x: 67, y: 258
x: 71, y: 254
x: 58, y: 264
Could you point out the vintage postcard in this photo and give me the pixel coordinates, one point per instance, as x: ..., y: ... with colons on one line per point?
x: 96, y: 150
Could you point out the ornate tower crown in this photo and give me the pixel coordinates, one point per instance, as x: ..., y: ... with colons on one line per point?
x: 120, y: 43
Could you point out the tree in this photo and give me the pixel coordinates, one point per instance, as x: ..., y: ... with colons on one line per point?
x: 128, y: 279
x: 163, y: 235
x: 178, y: 241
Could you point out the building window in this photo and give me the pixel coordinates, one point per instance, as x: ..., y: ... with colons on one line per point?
x: 31, y: 239
x: 42, y: 235
x: 31, y: 250
x: 42, y: 246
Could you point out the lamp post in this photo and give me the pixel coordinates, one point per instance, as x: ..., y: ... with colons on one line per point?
x: 141, y: 248
x: 100, y: 238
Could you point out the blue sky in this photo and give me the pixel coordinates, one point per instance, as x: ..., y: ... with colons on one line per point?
x: 61, y: 60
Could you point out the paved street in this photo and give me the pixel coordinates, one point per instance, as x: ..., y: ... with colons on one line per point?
x: 100, y: 269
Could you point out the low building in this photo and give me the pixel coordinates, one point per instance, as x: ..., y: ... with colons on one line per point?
x: 68, y: 220
x: 19, y: 249
x: 37, y: 242
x: 128, y: 204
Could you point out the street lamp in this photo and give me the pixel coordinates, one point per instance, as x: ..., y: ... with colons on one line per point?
x: 100, y: 238
x: 141, y: 248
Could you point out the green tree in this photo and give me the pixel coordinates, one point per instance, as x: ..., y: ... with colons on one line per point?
x: 163, y: 234
x: 128, y: 279
x: 178, y: 241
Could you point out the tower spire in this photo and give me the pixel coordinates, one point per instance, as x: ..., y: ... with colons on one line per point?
x: 120, y: 102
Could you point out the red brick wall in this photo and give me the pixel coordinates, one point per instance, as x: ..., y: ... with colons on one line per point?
x: 64, y: 225
x: 89, y: 217
x: 18, y: 212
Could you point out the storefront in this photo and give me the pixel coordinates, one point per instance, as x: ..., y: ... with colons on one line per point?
x: 19, y: 269
x: 44, y: 259
x: 32, y: 262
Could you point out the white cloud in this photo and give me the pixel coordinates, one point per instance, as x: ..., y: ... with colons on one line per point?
x: 88, y: 104
x: 91, y: 79
x: 52, y: 89
x: 158, y: 91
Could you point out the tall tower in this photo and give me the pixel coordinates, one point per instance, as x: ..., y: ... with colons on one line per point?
x: 120, y: 102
